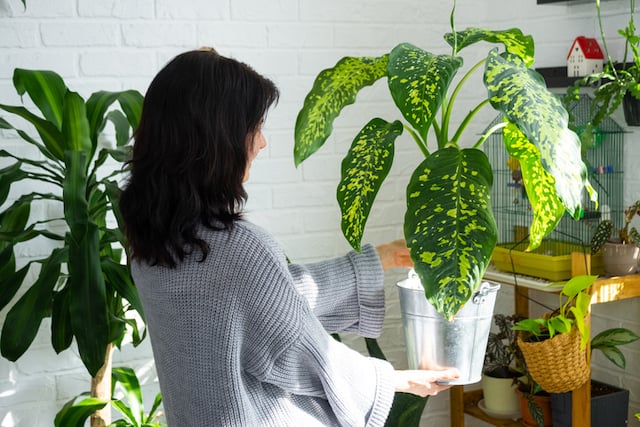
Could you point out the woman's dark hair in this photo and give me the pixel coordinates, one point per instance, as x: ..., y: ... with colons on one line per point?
x: 190, y: 154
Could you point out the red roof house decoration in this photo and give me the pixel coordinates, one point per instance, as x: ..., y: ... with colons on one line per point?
x: 585, y: 57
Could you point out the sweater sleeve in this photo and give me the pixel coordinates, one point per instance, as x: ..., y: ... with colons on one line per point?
x: 346, y: 293
x: 359, y: 389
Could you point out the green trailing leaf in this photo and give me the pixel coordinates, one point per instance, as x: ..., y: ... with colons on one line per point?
x: 47, y: 91
x: 363, y: 170
x: 540, y: 186
x: 514, y: 41
x: 449, y: 225
x: 333, y: 89
x: 418, y: 82
x: 23, y: 319
x: 520, y: 94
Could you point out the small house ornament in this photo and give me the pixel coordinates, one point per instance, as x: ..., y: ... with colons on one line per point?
x: 585, y: 57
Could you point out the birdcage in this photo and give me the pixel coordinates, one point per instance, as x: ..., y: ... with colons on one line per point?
x: 603, y: 155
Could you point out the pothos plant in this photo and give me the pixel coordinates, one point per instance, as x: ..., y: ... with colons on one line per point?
x: 449, y: 225
x: 83, y: 284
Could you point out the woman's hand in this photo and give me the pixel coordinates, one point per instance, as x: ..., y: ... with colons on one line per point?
x: 424, y: 382
x: 394, y: 254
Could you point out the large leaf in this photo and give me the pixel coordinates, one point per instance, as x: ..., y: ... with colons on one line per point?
x: 406, y: 410
x: 539, y: 184
x: 418, y: 82
x: 363, y: 170
x: 88, y: 307
x: 23, y: 319
x: 119, y: 278
x: 333, y: 89
x: 513, y: 40
x: 614, y: 336
x: 449, y: 225
x: 46, y: 89
x: 128, y: 380
x: 520, y: 94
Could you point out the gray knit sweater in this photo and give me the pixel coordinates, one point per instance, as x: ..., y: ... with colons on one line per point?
x: 242, y: 339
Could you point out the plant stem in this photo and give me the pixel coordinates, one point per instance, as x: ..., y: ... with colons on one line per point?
x: 604, y: 41
x: 486, y: 135
x: 421, y: 144
x: 447, y: 109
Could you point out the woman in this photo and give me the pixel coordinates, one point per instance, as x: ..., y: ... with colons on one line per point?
x: 240, y: 337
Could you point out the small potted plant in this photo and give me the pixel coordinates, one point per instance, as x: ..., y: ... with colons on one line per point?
x: 449, y: 224
x: 501, y: 369
x: 620, y: 253
x: 554, y: 346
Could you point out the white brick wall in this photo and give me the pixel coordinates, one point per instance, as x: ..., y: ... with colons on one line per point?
x: 121, y: 44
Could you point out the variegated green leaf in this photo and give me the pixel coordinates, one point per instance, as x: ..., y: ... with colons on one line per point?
x: 449, y: 225
x: 540, y: 186
x: 363, y: 170
x: 418, y: 82
x: 46, y: 89
x: 333, y: 89
x: 520, y: 94
x: 514, y: 41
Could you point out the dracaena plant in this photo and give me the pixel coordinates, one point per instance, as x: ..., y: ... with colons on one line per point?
x: 83, y: 284
x: 449, y: 225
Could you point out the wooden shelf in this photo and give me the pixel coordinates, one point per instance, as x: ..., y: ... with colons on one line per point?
x: 471, y: 399
x: 603, y: 290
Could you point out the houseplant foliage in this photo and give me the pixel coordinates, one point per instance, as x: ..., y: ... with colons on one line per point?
x: 617, y: 79
x: 83, y: 284
x: 449, y: 225
x: 605, y: 230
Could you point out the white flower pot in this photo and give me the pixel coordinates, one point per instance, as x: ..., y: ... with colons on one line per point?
x: 620, y: 259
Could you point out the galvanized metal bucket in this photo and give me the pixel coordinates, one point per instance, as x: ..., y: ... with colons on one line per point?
x: 433, y: 342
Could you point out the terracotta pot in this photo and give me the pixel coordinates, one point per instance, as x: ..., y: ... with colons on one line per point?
x: 620, y: 259
x: 543, y: 402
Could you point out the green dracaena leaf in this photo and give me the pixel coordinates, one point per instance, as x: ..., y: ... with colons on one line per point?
x: 514, y: 41
x: 540, y: 185
x: 520, y: 94
x: 23, y: 319
x: 333, y: 89
x: 418, y: 82
x: 98, y: 104
x: 51, y: 136
x: 75, y: 415
x: 363, y: 170
x: 46, y: 89
x: 119, y: 278
x: 76, y: 205
x: 88, y: 307
x: 8, y: 176
x: 61, y: 330
x: 75, y: 127
x: 449, y: 225
x: 131, y: 103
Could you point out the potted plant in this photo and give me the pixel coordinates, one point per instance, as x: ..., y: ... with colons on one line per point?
x: 84, y: 284
x: 620, y: 254
x: 449, y: 225
x: 499, y: 378
x: 618, y: 82
x: 609, y: 404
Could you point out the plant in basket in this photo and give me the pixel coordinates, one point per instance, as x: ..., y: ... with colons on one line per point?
x: 554, y: 346
x: 620, y: 247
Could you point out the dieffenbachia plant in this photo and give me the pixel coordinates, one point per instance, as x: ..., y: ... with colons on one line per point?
x: 449, y: 224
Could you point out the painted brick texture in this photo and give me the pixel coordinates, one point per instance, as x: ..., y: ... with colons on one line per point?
x: 120, y: 44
